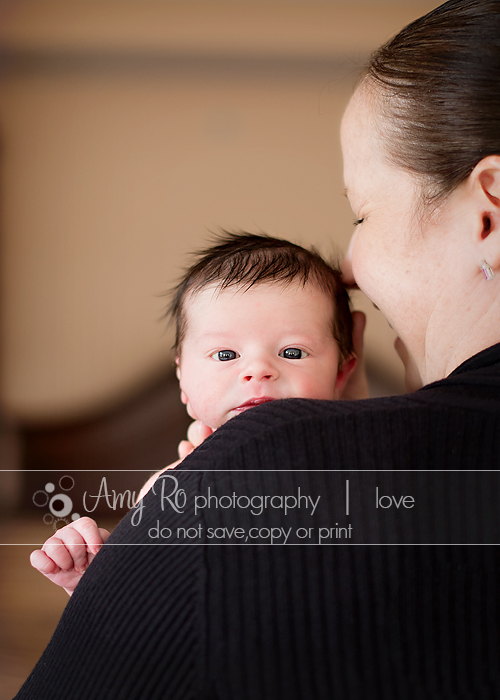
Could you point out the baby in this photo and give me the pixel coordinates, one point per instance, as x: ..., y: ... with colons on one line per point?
x: 257, y: 319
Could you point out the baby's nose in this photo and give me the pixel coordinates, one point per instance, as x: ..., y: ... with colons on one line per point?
x: 259, y: 369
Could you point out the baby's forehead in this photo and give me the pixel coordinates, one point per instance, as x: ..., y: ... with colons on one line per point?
x: 273, y: 306
x: 220, y: 295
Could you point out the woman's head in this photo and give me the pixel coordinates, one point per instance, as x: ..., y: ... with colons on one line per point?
x: 421, y: 142
x: 438, y: 87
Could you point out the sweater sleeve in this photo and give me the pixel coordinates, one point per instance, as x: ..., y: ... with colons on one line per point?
x: 133, y: 627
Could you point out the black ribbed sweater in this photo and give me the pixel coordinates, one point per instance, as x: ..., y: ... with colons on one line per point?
x: 346, y: 621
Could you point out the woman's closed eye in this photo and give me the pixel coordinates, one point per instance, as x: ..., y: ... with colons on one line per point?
x: 225, y: 355
x: 293, y: 354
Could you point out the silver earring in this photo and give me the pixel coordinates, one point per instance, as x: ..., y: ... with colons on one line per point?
x: 486, y: 270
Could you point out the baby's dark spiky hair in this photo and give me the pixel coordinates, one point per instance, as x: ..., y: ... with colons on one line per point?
x: 240, y: 259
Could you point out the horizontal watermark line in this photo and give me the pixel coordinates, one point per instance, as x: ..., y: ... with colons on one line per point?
x: 269, y: 544
x: 178, y: 469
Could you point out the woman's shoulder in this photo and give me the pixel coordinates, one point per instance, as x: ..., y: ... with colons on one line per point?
x: 472, y: 390
x: 425, y: 427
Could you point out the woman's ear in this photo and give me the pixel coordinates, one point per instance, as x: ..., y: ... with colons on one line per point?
x: 345, y: 370
x: 486, y: 181
x: 178, y: 368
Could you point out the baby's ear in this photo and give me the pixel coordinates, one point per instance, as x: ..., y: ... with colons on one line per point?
x: 184, y: 398
x: 345, y: 370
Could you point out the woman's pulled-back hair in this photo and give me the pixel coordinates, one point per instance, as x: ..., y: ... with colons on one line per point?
x: 439, y: 84
x: 242, y: 260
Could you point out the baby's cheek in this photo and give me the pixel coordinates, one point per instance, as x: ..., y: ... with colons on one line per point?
x: 321, y: 385
x: 206, y: 410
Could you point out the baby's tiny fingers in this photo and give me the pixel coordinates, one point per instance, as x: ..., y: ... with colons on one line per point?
x: 67, y: 549
x: 42, y: 563
x: 185, y: 448
x: 198, y: 432
x: 359, y: 324
x: 105, y: 534
x: 90, y: 533
x: 55, y: 549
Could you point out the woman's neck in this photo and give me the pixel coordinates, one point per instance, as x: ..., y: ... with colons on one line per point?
x: 460, y: 337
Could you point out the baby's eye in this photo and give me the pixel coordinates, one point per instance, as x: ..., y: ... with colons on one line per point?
x: 293, y: 354
x: 225, y: 355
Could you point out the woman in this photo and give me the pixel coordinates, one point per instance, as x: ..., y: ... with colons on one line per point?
x: 421, y: 143
x: 421, y: 140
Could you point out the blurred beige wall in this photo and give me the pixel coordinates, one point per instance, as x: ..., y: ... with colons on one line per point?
x: 129, y: 130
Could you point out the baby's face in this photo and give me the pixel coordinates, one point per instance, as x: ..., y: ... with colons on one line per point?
x: 244, y: 348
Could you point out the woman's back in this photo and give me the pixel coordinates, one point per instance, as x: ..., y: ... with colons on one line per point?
x: 206, y: 613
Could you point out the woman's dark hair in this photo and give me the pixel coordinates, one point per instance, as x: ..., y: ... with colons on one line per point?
x: 242, y: 260
x: 439, y: 84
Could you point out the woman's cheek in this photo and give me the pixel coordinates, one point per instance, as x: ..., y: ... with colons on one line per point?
x: 372, y: 270
x: 361, y: 266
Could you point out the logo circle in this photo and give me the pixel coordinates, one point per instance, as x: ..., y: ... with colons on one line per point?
x: 63, y: 510
x: 44, y: 495
x: 66, y: 483
x: 58, y: 523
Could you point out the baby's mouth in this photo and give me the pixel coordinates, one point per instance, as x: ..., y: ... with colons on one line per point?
x: 254, y: 402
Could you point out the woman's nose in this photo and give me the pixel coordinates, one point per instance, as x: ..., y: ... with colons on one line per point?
x: 259, y: 369
x: 346, y: 266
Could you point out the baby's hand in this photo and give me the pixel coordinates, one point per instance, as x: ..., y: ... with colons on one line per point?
x: 197, y: 432
x: 66, y: 555
x: 153, y: 478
